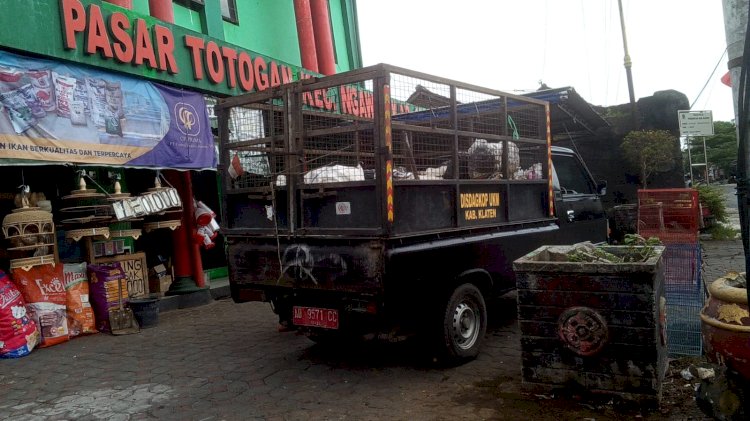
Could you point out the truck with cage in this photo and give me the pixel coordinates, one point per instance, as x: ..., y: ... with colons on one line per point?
x: 383, y: 202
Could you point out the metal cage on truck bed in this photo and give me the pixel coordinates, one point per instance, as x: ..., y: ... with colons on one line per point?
x: 382, y: 152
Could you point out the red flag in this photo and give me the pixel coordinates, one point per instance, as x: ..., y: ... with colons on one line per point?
x: 235, y: 168
x: 727, y: 80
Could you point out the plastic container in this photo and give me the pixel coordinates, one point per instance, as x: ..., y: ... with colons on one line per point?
x: 146, y: 311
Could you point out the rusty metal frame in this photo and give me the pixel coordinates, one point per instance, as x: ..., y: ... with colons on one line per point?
x: 295, y: 132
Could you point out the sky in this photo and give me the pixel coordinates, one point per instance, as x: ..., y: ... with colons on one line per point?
x: 512, y: 45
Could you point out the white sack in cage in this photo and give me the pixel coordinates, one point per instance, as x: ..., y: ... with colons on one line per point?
x: 334, y: 174
x: 433, y: 173
x: 486, y: 159
x: 401, y: 173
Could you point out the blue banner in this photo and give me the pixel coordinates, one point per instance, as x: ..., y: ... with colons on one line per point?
x: 55, y: 112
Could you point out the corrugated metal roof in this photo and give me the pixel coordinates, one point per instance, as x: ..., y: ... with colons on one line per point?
x: 570, y: 115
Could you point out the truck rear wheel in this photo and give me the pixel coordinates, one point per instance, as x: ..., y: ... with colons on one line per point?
x: 464, y: 323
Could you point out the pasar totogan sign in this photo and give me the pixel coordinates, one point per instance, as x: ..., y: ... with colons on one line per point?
x: 135, y: 42
x: 113, y: 35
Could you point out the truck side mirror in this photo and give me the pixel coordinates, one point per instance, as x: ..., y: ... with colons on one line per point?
x: 601, y: 187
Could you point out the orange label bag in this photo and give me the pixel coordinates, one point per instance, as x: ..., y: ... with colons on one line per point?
x: 79, y: 312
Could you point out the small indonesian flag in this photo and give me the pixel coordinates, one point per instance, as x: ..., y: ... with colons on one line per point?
x: 235, y: 169
x: 727, y: 79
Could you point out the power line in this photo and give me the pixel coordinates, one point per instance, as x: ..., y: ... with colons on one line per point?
x: 709, y: 77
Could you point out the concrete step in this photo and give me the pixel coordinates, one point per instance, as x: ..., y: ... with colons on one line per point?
x: 218, y: 289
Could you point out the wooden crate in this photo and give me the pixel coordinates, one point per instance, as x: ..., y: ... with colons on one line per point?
x: 591, y: 327
x: 159, y: 285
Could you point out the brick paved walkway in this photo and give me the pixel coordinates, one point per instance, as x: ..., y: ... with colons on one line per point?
x: 227, y: 361
x: 720, y: 257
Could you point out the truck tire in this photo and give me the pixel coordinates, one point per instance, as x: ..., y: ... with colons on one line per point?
x: 464, y: 324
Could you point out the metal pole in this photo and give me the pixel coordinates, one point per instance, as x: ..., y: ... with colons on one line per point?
x: 738, y: 49
x: 628, y: 65
x: 690, y: 160
x: 735, y: 26
x: 705, y: 155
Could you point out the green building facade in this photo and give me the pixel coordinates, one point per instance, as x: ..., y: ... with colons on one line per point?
x: 260, y: 28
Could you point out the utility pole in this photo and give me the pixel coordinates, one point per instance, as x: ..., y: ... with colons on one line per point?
x: 628, y: 65
x: 735, y: 28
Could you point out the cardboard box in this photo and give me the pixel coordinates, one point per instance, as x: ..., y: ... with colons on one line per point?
x: 159, y: 285
x: 158, y: 271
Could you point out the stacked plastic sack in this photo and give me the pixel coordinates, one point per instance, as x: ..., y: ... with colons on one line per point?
x: 18, y: 331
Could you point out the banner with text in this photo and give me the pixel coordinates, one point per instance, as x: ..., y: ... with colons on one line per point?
x: 55, y: 112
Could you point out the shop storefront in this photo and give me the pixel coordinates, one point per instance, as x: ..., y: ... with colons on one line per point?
x: 107, y: 151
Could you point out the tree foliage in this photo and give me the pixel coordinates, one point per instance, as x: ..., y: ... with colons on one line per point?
x: 721, y: 148
x: 650, y: 151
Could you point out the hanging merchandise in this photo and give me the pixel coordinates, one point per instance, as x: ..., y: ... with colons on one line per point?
x: 170, y: 218
x: 123, y: 228
x: 18, y: 332
x: 44, y: 292
x: 207, y: 229
x: 88, y: 212
x: 30, y: 231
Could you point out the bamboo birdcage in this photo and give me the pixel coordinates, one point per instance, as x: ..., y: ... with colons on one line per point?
x: 29, y: 230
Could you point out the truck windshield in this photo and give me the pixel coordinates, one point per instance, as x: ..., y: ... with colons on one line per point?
x: 572, y: 177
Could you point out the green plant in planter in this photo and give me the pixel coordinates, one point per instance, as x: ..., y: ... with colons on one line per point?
x: 639, y: 250
x: 712, y: 198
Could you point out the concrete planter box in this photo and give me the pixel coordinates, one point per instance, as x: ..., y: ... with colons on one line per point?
x: 594, y: 328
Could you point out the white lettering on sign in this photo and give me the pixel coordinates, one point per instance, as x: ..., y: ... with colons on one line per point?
x: 343, y: 208
x: 146, y: 204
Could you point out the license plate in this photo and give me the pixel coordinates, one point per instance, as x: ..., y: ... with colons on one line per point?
x: 315, y: 317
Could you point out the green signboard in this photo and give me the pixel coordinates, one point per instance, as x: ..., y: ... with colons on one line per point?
x: 99, y: 34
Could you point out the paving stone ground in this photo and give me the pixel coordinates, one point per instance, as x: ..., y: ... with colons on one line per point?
x: 226, y: 361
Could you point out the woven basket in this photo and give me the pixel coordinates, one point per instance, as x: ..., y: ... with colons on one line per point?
x: 26, y: 225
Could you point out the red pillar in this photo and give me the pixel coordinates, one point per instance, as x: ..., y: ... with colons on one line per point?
x: 187, y: 252
x: 188, y: 220
x: 323, y: 36
x: 306, y: 35
x: 161, y: 9
x: 127, y: 4
x: 181, y: 255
